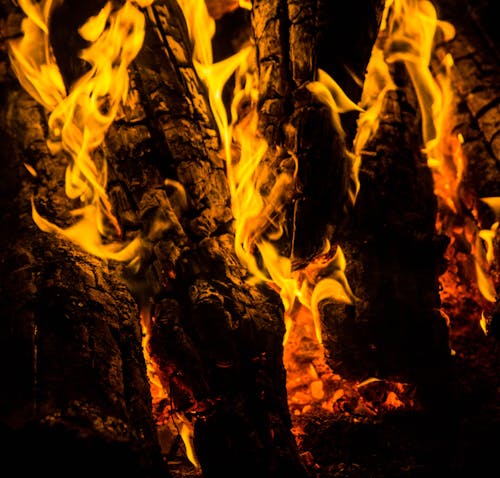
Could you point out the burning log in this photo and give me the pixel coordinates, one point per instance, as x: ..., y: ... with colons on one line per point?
x: 292, y: 42
x: 213, y: 336
x: 394, y: 255
x: 398, y: 246
x: 393, y: 260
x: 75, y: 394
x: 475, y: 76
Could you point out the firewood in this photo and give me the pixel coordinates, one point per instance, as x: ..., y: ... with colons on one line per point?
x: 76, y: 395
x: 394, y: 259
x: 292, y: 42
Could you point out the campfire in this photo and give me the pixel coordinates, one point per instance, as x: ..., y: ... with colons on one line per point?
x: 250, y: 238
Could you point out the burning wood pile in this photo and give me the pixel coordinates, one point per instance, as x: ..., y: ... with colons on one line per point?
x: 229, y: 223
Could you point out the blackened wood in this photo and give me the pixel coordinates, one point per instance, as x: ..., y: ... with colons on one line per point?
x: 75, y: 398
x: 229, y: 356
x: 288, y: 38
x: 217, y: 340
x: 347, y: 32
x: 394, y: 259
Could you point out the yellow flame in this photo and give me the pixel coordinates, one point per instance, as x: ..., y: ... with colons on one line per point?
x: 80, y: 118
x: 258, y: 215
x: 85, y: 235
x: 246, y: 4
x: 411, y: 29
x: 187, y: 435
x: 327, y: 90
x: 408, y: 33
x: 483, y: 324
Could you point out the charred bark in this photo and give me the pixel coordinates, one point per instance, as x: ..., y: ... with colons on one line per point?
x: 292, y: 42
x: 75, y: 396
x: 394, y: 257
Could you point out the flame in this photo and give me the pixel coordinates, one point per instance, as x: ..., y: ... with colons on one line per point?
x: 80, y: 118
x: 176, y: 421
x: 258, y: 212
x: 408, y: 32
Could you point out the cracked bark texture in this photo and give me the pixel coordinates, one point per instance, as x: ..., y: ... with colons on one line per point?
x: 293, y: 39
x: 75, y: 395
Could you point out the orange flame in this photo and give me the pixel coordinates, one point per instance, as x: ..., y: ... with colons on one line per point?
x: 408, y: 32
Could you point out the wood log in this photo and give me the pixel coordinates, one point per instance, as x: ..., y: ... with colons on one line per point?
x: 394, y: 259
x: 75, y: 396
x: 292, y: 42
x: 216, y: 340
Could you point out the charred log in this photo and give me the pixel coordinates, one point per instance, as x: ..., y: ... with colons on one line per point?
x: 75, y: 394
x: 394, y: 260
x: 291, y: 45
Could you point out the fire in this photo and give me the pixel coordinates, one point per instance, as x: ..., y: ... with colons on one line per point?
x: 79, y: 118
x: 259, y: 195
x: 408, y: 33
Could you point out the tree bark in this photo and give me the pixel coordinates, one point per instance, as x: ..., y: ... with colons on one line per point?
x: 293, y: 39
x: 394, y: 259
x: 75, y: 396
